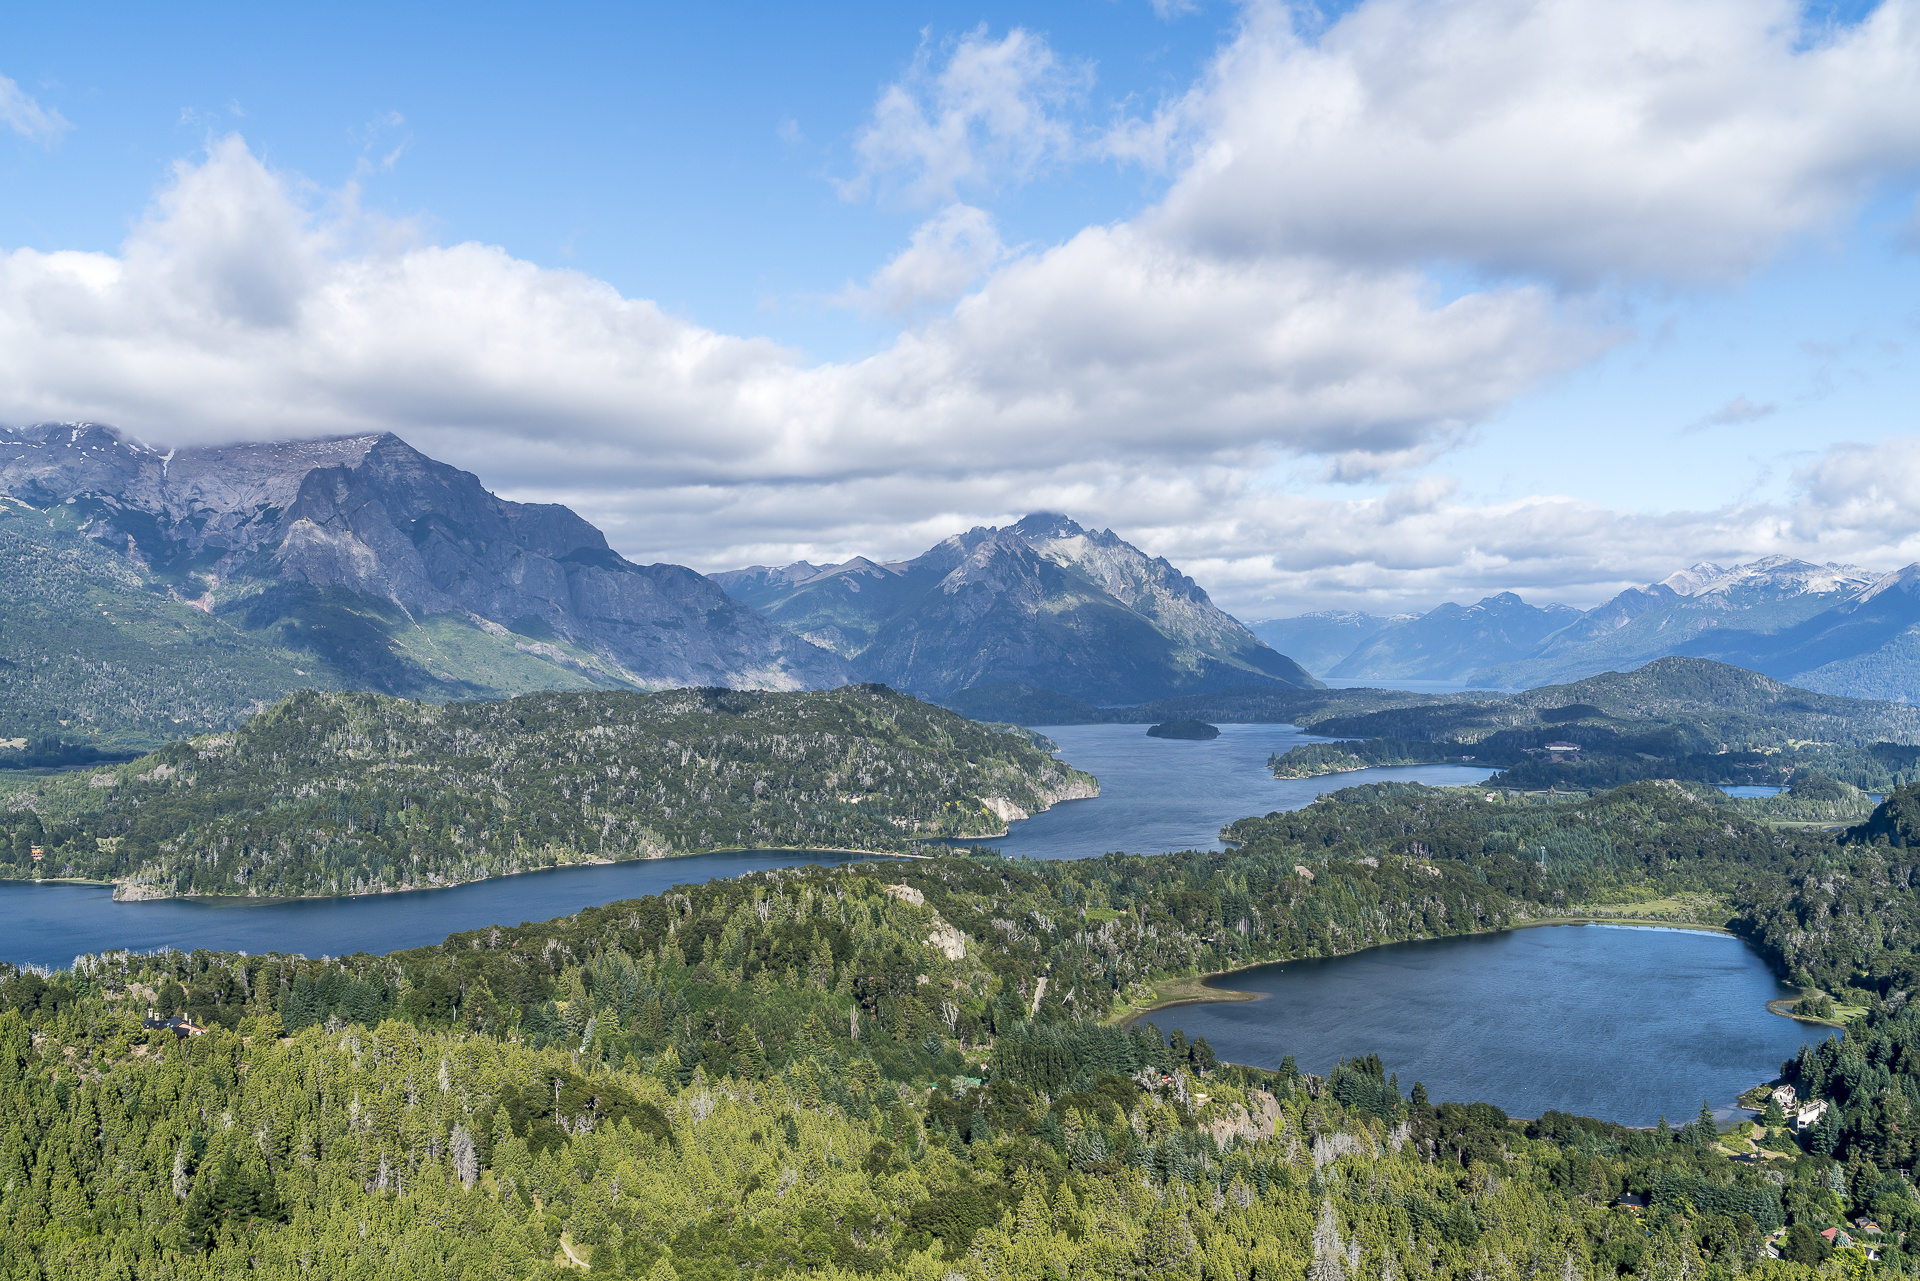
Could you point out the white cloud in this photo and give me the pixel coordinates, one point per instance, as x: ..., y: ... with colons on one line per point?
x: 948, y: 252
x: 1735, y: 412
x: 20, y: 113
x: 1575, y: 139
x: 233, y: 311
x: 990, y: 116
x: 1146, y: 374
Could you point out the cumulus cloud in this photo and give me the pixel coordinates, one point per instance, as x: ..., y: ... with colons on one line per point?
x: 233, y: 311
x: 990, y: 116
x: 948, y: 252
x: 20, y: 113
x: 1573, y: 139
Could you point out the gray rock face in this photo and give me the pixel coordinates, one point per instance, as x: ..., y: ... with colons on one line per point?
x: 255, y: 527
x: 1044, y: 602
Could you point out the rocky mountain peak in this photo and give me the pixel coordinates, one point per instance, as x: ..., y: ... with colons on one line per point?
x: 263, y: 526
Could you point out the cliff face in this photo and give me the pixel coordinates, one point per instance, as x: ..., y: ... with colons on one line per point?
x: 340, y: 547
x: 1044, y: 602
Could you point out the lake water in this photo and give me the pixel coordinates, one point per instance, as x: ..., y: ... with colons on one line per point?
x: 1163, y: 794
x: 52, y: 924
x: 1623, y: 1023
x: 1748, y: 789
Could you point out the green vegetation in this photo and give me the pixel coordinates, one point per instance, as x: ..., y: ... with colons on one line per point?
x: 357, y: 793
x: 1313, y: 760
x: 898, y: 1070
x: 1674, y: 718
x: 913, y: 1069
x: 1196, y: 730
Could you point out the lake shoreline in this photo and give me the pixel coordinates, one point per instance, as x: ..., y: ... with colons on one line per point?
x: 1199, y: 989
x: 120, y: 887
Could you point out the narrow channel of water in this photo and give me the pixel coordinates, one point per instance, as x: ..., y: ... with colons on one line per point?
x: 1624, y: 1023
x: 52, y: 924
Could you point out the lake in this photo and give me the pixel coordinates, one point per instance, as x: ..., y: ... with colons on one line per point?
x: 1624, y: 1023
x: 1163, y: 794
x: 1156, y: 795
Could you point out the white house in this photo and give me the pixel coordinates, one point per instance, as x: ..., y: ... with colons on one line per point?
x: 1809, y: 1114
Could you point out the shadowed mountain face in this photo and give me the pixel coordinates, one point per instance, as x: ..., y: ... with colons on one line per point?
x: 377, y: 567
x: 1045, y: 602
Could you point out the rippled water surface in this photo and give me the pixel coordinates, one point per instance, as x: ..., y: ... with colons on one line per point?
x: 1617, y: 1022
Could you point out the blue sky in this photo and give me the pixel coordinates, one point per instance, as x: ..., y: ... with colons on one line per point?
x: 1368, y: 306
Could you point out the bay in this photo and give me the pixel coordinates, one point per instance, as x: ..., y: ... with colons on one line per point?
x: 1624, y: 1023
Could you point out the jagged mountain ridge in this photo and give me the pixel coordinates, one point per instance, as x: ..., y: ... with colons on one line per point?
x: 1835, y: 628
x: 379, y: 568
x: 1043, y: 601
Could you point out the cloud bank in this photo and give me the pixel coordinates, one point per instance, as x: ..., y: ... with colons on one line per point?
x: 1274, y: 311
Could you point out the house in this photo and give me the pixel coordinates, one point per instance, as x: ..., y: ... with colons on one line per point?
x: 1561, y: 747
x: 1784, y: 1096
x: 1838, y: 1239
x: 1809, y: 1114
x: 36, y: 851
x: 180, y: 1027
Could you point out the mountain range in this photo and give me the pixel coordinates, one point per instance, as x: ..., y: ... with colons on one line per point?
x: 152, y: 594
x: 1839, y: 629
x: 146, y: 595
x: 1044, y: 602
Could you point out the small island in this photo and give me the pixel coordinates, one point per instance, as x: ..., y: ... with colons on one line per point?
x: 1183, y: 729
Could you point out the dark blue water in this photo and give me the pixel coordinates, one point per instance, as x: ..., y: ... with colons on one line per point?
x: 1163, y: 794
x: 1628, y: 1024
x: 52, y: 924
x: 1156, y: 795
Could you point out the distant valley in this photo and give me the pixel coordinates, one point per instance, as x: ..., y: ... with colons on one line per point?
x: 1839, y: 629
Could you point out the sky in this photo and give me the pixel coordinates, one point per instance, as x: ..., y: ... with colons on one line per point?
x: 1361, y: 306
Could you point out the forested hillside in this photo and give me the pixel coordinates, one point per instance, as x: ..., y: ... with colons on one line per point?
x: 1677, y: 718
x: 358, y: 793
x: 907, y: 1070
